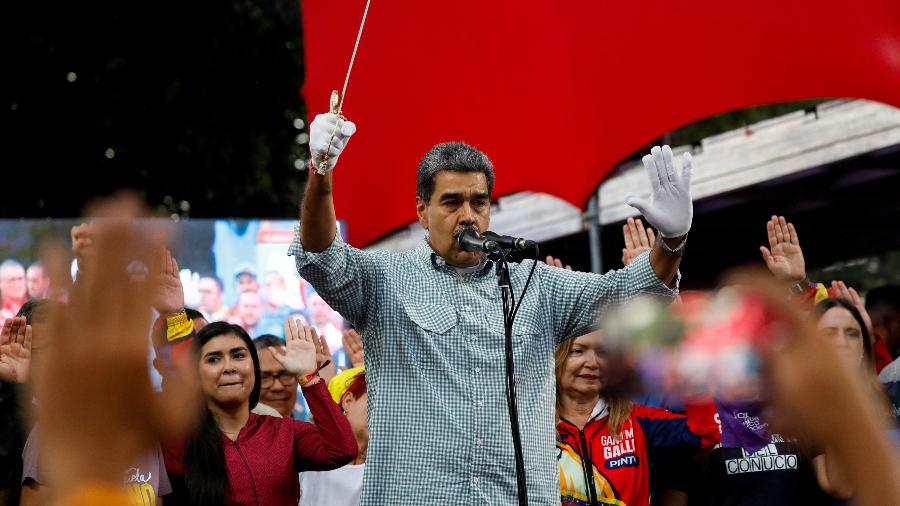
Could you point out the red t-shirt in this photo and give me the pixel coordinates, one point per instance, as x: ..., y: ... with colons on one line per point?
x: 881, y: 354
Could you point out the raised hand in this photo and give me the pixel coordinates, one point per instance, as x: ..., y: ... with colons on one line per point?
x: 670, y: 208
x: 842, y: 291
x: 637, y: 240
x: 353, y: 345
x: 94, y: 369
x: 323, y: 354
x: 15, y: 350
x: 555, y: 262
x: 783, y: 257
x: 168, y: 294
x: 328, y: 136
x: 83, y: 244
x: 299, y: 354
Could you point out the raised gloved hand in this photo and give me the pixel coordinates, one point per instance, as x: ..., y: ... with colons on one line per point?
x: 670, y: 208
x: 320, y: 135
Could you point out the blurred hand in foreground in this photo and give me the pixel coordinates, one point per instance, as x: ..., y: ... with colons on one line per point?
x: 97, y: 409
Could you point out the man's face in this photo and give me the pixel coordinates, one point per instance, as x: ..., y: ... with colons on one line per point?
x: 247, y: 283
x: 249, y: 308
x: 38, y: 282
x: 459, y: 200
x: 275, y: 282
x: 273, y: 392
x: 275, y: 289
x: 210, y: 295
x: 12, y: 282
x: 887, y: 325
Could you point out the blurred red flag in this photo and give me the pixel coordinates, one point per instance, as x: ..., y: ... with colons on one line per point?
x: 557, y: 92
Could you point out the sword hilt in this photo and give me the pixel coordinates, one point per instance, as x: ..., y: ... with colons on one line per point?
x: 334, y: 106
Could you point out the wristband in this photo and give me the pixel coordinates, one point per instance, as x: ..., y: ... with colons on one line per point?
x: 311, y: 376
x: 178, y: 326
x: 304, y: 380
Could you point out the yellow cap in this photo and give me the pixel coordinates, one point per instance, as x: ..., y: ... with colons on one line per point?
x: 338, y: 385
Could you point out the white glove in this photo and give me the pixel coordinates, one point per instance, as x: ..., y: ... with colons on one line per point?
x: 320, y: 132
x: 670, y: 208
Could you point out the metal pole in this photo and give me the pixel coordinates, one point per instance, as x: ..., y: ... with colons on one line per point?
x: 594, y: 232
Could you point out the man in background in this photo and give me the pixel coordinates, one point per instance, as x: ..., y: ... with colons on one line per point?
x: 38, y: 281
x: 13, y: 288
x: 212, y: 300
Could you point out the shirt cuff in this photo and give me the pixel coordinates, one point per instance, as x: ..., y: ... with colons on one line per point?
x: 329, y: 260
x: 644, y: 271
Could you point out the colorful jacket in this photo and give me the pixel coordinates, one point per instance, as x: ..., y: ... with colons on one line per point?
x: 269, y: 452
x: 597, y: 468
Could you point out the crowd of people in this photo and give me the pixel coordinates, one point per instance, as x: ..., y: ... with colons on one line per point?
x: 18, y: 285
x: 414, y: 410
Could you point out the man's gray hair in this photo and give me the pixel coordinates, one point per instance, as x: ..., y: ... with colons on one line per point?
x: 11, y: 263
x: 455, y: 156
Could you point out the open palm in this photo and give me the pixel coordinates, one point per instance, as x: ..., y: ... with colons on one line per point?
x: 784, y: 258
x: 168, y: 296
x: 15, y: 350
x: 353, y: 345
x: 299, y: 354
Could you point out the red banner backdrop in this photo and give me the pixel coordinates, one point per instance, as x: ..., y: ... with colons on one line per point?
x: 556, y: 92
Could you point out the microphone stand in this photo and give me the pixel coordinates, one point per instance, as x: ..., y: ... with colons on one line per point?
x: 509, y: 310
x: 471, y: 240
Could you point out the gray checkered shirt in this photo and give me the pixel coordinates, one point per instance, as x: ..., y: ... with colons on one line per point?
x: 438, y: 422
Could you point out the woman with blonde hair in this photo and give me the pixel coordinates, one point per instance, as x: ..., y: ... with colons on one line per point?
x: 604, y: 439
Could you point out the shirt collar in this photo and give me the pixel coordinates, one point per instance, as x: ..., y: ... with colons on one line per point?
x: 600, y: 410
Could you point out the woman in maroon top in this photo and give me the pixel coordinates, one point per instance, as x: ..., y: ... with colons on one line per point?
x: 240, y: 458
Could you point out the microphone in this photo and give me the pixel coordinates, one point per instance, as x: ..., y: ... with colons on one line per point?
x: 471, y: 240
x: 509, y: 242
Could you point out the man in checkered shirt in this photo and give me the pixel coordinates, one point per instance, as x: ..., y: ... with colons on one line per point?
x: 432, y: 326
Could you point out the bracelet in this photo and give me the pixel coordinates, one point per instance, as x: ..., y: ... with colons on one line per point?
x: 313, y: 375
x: 677, y: 250
x: 303, y: 381
x: 800, y: 287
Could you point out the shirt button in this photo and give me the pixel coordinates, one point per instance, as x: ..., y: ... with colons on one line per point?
x: 478, y: 441
x: 477, y: 370
x: 479, y: 402
x: 474, y: 480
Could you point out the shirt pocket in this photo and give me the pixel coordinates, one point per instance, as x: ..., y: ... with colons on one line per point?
x: 523, y: 333
x: 433, y: 318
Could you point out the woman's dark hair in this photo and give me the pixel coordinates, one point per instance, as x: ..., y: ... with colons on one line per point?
x: 193, y: 314
x: 822, y: 307
x: 38, y: 310
x: 205, y: 472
